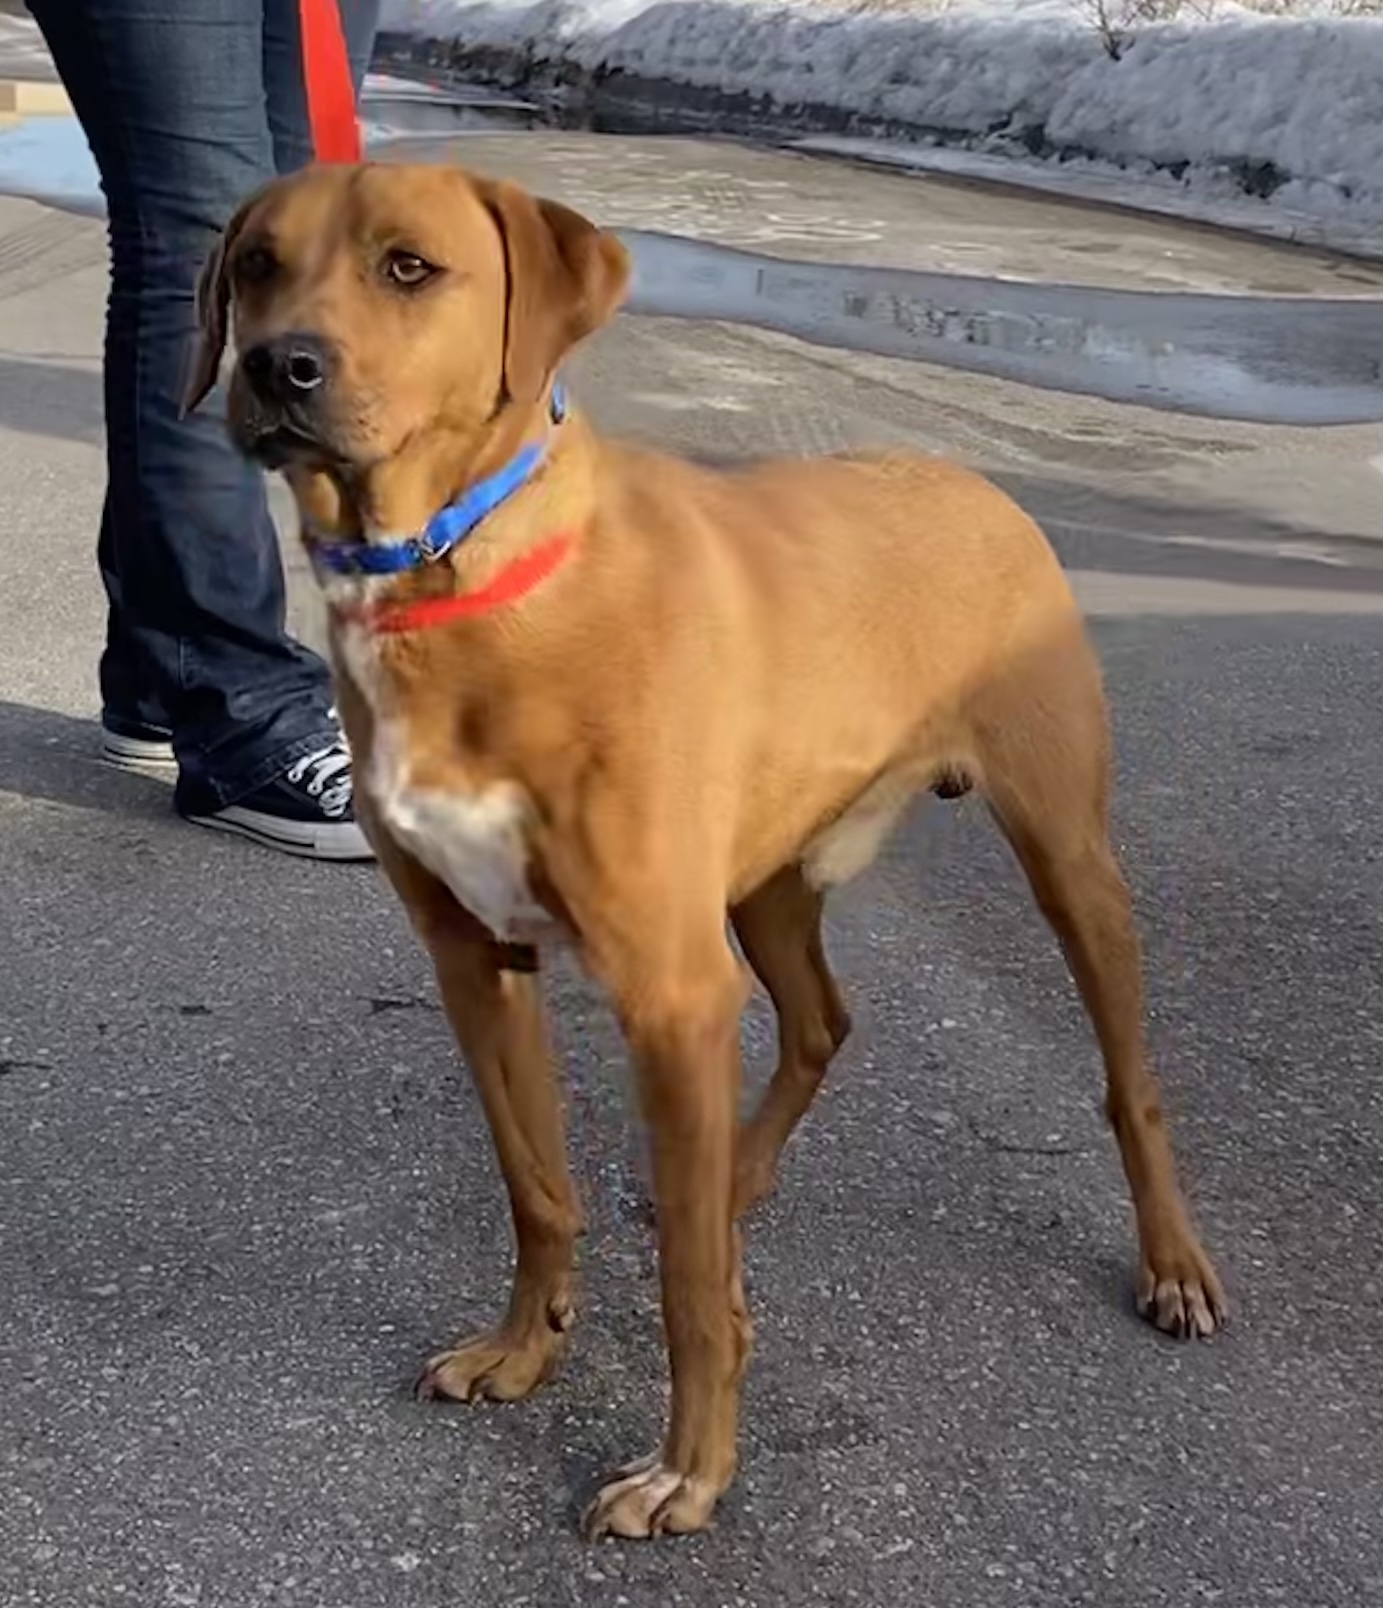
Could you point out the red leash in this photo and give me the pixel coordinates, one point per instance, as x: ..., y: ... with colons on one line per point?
x: 327, y: 79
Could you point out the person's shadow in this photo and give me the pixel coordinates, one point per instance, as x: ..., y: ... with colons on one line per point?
x: 56, y: 758
x: 51, y: 396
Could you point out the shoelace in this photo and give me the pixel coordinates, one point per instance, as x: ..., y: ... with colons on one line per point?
x: 321, y: 775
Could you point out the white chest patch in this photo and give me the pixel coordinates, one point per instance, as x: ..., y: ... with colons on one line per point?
x: 477, y: 845
x: 474, y: 842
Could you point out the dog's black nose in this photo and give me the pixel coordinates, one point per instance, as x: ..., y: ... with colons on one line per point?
x: 288, y: 368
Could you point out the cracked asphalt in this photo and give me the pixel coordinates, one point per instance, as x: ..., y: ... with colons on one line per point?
x: 245, y: 1187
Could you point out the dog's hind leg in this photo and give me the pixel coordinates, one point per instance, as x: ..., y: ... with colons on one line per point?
x: 779, y: 929
x: 1044, y: 759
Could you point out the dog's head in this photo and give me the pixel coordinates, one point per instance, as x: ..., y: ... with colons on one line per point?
x: 378, y: 310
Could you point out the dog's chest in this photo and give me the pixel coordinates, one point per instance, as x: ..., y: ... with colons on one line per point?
x: 476, y: 843
x: 473, y: 840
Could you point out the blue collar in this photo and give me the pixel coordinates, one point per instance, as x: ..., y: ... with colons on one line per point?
x: 447, y: 528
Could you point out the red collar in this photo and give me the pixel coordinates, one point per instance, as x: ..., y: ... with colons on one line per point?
x: 512, y: 581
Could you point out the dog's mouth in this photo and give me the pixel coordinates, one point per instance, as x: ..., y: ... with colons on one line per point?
x: 276, y: 446
x: 275, y: 437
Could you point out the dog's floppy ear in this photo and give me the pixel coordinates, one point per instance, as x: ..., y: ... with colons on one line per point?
x: 213, y: 311
x: 564, y: 279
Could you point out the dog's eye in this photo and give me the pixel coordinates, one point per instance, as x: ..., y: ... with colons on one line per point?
x: 256, y: 266
x: 407, y: 269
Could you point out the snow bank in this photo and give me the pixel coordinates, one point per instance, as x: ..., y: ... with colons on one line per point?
x: 1284, y: 110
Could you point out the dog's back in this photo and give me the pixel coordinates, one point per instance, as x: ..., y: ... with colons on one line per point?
x: 902, y: 590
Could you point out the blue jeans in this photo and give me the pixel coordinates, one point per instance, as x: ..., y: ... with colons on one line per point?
x: 187, y: 106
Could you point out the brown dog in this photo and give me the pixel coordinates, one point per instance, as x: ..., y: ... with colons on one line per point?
x: 640, y: 695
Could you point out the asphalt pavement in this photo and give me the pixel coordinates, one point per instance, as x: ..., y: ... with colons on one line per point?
x: 245, y: 1187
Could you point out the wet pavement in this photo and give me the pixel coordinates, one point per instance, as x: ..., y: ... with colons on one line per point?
x: 1056, y: 294
x: 814, y: 209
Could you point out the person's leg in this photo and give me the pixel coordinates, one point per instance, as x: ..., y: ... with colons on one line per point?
x: 171, y: 96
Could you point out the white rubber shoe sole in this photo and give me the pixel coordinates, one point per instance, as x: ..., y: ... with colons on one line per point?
x: 139, y: 755
x: 309, y: 840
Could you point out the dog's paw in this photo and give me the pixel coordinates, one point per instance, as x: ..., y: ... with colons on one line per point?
x: 648, y: 1498
x: 498, y: 1366
x: 1179, y: 1291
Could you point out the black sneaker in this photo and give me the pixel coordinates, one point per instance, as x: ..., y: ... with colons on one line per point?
x: 130, y: 745
x: 308, y: 810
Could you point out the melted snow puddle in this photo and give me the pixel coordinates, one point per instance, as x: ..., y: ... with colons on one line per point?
x: 1281, y: 360
x: 1267, y: 359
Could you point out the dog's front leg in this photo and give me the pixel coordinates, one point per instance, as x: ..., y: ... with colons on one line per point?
x: 683, y: 1028
x: 497, y: 1016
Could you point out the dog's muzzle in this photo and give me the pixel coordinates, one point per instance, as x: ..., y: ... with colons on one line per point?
x: 282, y: 410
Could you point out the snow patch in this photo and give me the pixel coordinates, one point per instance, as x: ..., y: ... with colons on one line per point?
x: 1269, y: 116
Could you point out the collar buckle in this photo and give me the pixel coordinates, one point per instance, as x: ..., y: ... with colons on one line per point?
x: 429, y: 545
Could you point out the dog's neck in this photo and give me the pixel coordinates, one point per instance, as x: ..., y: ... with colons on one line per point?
x: 400, y: 495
